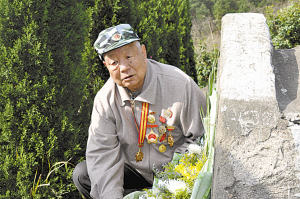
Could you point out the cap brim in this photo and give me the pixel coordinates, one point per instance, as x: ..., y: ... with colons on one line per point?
x: 117, y: 45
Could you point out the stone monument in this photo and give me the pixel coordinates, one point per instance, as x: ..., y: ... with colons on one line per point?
x: 257, y: 135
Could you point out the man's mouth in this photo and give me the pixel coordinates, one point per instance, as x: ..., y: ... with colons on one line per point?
x: 128, y: 77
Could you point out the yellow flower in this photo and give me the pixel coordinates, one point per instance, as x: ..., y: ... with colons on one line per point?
x: 181, y: 169
x: 188, y: 170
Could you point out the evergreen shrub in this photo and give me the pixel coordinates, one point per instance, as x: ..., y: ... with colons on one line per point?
x: 285, y: 26
x: 50, y: 73
x: 42, y: 88
x: 206, y: 62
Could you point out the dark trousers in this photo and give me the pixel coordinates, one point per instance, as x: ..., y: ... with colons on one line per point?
x: 132, y: 179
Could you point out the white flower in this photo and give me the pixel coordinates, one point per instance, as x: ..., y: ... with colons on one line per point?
x: 161, y: 183
x: 155, y: 191
x: 174, y: 185
x: 194, y: 148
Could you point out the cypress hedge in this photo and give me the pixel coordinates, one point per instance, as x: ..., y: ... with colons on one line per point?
x: 42, y: 87
x: 50, y: 73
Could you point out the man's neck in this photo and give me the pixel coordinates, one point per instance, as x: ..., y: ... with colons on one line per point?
x: 134, y: 94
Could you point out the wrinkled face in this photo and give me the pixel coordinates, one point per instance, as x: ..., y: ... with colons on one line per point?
x: 127, y: 65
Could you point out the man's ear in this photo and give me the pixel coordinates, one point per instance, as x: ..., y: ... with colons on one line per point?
x: 143, y: 48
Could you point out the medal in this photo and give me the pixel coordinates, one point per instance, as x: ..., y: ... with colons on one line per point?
x: 162, y: 137
x: 170, y: 138
x: 168, y: 114
x: 162, y: 119
x: 139, y: 156
x: 162, y: 129
x: 162, y: 148
x: 151, y: 119
x: 152, y: 137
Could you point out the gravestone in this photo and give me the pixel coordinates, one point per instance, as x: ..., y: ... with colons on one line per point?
x: 257, y: 140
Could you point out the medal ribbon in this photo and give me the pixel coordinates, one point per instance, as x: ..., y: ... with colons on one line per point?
x: 143, y: 124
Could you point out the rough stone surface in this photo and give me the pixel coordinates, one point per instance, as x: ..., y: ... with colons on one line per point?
x: 256, y: 146
x: 286, y: 68
x: 246, y: 50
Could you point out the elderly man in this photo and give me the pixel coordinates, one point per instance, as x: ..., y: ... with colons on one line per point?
x: 145, y: 112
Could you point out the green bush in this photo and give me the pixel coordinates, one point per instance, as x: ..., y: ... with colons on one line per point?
x: 42, y: 86
x: 164, y: 27
x: 187, y: 60
x: 205, y: 62
x: 285, y: 26
x: 157, y: 27
x: 50, y: 73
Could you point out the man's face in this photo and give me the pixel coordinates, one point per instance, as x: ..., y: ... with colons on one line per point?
x: 127, y: 65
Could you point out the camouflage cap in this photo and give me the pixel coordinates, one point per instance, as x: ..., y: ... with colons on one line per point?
x: 114, y: 37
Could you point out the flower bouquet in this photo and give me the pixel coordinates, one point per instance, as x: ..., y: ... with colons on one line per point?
x: 179, y: 177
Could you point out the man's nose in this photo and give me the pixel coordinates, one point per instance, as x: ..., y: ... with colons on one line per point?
x: 124, y: 65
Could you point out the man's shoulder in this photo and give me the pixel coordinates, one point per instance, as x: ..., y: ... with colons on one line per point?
x: 107, y: 90
x: 169, y: 72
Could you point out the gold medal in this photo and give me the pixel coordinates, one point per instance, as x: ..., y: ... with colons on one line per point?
x: 152, y: 137
x: 170, y: 140
x: 139, y: 156
x: 151, y: 119
x: 162, y: 129
x: 162, y: 148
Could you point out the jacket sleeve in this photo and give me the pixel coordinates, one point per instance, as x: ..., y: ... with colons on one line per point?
x: 191, y: 123
x: 105, y: 162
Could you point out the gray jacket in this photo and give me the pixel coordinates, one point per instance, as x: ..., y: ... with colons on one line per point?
x: 113, y: 136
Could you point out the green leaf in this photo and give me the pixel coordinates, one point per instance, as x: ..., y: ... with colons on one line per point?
x: 176, y: 157
x: 202, y: 185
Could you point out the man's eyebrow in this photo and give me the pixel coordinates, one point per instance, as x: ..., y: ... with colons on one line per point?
x: 109, y: 54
